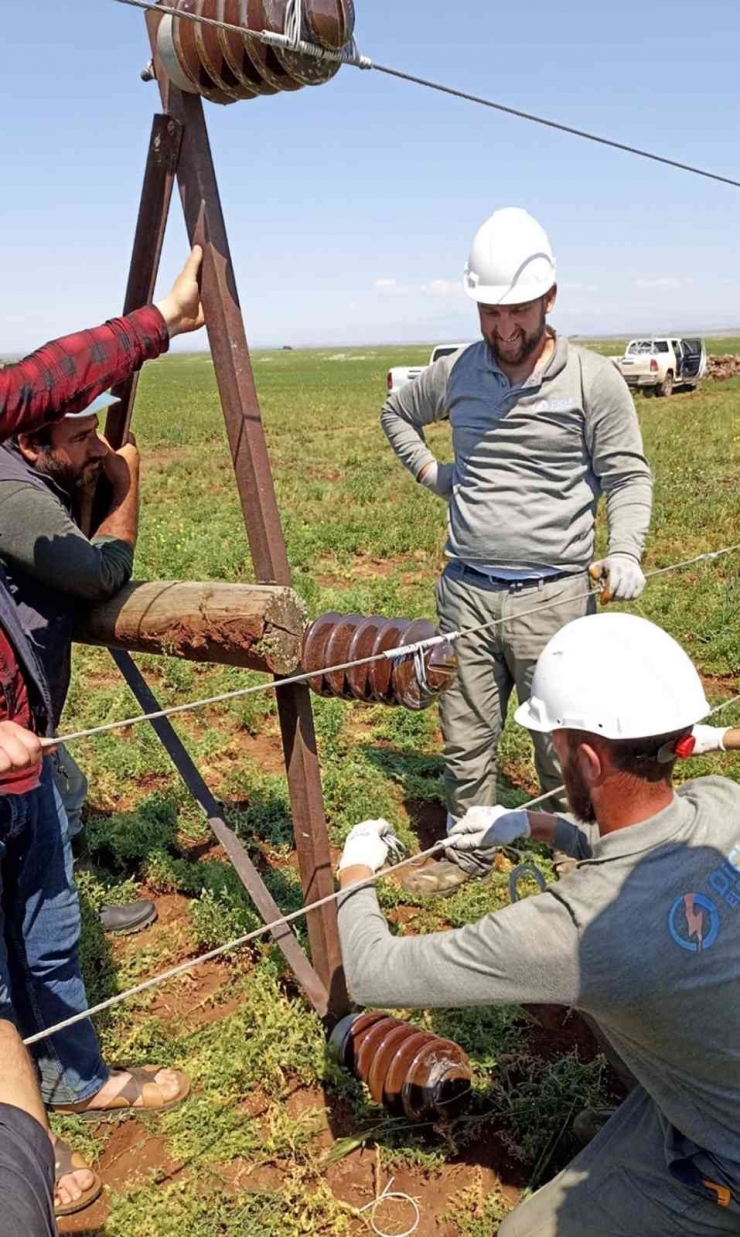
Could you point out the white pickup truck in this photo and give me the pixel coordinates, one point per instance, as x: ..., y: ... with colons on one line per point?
x: 659, y: 365
x: 400, y: 375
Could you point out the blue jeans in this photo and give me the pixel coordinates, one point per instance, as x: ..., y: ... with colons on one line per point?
x: 40, y: 979
x: 72, y: 786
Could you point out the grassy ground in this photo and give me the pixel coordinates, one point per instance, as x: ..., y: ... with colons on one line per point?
x: 273, y: 1140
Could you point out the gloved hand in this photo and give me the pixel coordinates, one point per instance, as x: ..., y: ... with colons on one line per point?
x: 709, y: 739
x: 368, y: 846
x: 623, y: 577
x: 438, y: 478
x: 475, y: 837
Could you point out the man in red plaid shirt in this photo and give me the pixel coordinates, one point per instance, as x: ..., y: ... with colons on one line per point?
x: 62, y: 377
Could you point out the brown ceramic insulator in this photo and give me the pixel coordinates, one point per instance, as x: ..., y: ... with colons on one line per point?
x: 168, y: 56
x: 358, y: 678
x: 237, y: 50
x: 395, y: 1034
x: 335, y: 639
x: 437, y: 1083
x: 441, y: 665
x: 369, y: 1043
x: 407, y: 690
x: 413, y: 1073
x: 359, y: 1026
x: 313, y: 656
x: 306, y: 70
x: 188, y: 56
x: 268, y: 15
x: 331, y: 23
x: 211, y: 53
x: 402, y: 1061
x: 337, y: 652
x: 390, y: 635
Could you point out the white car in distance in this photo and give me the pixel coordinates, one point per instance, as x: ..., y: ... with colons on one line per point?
x: 400, y: 375
x: 659, y: 364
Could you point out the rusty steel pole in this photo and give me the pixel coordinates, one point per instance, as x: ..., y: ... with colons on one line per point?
x: 206, y: 226
x: 156, y: 195
x: 161, y: 166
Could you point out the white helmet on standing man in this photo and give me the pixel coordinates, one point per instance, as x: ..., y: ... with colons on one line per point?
x: 511, y: 261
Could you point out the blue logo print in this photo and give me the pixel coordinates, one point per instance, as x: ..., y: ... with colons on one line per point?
x: 693, y: 922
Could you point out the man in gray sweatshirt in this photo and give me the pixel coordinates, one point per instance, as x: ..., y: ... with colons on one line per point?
x: 643, y: 937
x: 53, y: 569
x: 540, y: 430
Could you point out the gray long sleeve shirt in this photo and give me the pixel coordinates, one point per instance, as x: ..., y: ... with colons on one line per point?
x: 531, y: 461
x: 644, y: 937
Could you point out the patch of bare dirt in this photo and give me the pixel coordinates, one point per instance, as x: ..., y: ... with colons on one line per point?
x: 195, y: 1001
x: 130, y: 1155
x: 159, y: 458
x: 358, y: 1179
x: 365, y: 567
x: 264, y: 751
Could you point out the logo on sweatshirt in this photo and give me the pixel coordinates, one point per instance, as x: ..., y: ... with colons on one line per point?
x: 693, y: 922
x: 553, y: 405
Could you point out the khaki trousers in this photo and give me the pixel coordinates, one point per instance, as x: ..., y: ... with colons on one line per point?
x: 490, y: 665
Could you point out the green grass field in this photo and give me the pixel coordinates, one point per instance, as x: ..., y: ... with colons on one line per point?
x: 274, y: 1141
x: 717, y: 345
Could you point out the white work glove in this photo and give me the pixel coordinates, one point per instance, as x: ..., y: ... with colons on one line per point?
x: 709, y: 739
x: 368, y: 846
x: 622, y: 575
x: 474, y: 838
x: 438, y: 478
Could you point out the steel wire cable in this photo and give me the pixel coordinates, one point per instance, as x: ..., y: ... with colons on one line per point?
x: 390, y: 655
x: 366, y: 63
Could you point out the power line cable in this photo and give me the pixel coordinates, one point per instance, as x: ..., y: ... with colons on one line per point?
x: 357, y: 61
x: 391, y: 655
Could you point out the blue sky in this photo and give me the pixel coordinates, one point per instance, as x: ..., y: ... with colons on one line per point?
x: 351, y: 206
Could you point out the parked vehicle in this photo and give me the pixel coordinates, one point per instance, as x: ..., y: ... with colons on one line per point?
x: 660, y: 364
x: 400, y: 375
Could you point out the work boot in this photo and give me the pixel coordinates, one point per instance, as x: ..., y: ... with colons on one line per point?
x: 590, y: 1122
x: 126, y: 920
x: 437, y: 879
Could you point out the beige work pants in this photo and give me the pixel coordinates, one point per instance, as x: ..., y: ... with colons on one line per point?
x: 490, y: 665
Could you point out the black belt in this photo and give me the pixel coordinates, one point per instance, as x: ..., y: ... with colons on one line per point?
x: 527, y: 582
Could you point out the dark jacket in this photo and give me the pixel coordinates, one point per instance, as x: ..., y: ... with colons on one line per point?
x: 28, y: 660
x: 46, y: 615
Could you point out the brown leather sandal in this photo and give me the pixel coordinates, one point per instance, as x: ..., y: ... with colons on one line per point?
x: 140, y: 1085
x: 68, y: 1161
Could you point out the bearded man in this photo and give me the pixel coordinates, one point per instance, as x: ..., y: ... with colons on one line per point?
x: 642, y: 938
x: 540, y: 431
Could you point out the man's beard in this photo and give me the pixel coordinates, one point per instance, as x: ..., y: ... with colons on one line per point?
x: 577, y: 791
x: 528, y: 344
x: 65, y: 475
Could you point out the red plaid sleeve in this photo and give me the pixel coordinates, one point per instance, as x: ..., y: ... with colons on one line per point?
x: 67, y: 374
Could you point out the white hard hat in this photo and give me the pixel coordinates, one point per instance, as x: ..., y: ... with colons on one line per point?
x: 616, y: 675
x: 511, y: 261
x: 97, y: 405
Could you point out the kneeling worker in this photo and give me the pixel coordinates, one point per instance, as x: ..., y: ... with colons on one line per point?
x: 643, y: 937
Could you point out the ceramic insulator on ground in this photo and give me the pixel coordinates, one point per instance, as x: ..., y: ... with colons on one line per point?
x: 413, y: 1073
